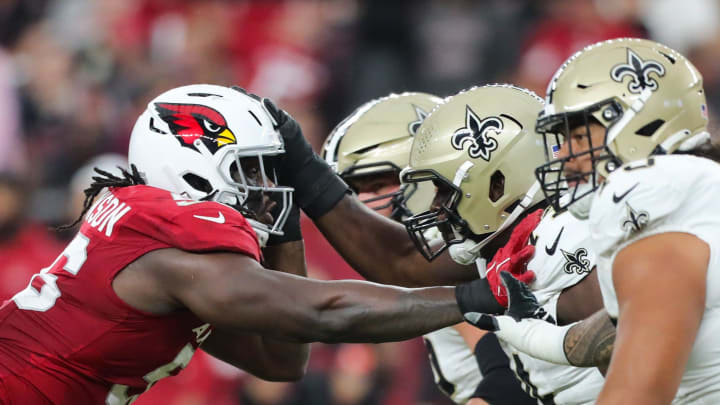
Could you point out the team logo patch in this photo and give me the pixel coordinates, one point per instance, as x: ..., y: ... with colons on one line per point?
x: 415, y: 125
x: 639, y: 72
x: 477, y: 134
x: 576, y: 262
x: 635, y: 220
x: 190, y: 122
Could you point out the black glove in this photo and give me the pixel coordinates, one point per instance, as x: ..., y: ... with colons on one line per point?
x: 477, y: 303
x: 522, y: 302
x: 317, y: 188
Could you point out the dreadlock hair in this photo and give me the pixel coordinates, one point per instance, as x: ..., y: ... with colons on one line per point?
x: 103, y: 181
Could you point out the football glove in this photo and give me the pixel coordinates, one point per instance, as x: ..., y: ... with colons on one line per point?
x: 317, y: 188
x: 513, y: 257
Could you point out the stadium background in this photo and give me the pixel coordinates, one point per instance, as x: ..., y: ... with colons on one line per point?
x: 75, y: 74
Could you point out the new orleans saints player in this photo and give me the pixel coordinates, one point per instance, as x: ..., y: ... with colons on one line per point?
x: 462, y: 168
x: 368, y: 149
x: 632, y: 114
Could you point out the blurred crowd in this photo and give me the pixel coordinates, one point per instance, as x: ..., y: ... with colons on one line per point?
x: 75, y: 74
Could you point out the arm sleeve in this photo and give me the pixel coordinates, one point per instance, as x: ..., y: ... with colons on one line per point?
x: 499, y: 386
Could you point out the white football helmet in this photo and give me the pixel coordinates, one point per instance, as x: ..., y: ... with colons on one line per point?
x: 190, y: 141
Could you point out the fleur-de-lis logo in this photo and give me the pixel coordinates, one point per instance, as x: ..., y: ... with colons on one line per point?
x: 576, y: 262
x: 476, y: 133
x: 636, y: 220
x: 415, y: 125
x: 639, y: 71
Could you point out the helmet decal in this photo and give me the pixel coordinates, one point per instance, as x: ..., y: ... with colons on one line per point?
x: 189, y: 122
x: 639, y: 71
x: 415, y: 125
x: 477, y: 133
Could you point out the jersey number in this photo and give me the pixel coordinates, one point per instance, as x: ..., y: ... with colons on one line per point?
x: 445, y: 386
x: 528, y: 386
x: 42, y: 292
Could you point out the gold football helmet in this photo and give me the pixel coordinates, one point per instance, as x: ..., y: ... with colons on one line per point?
x: 649, y: 98
x: 479, y: 148
x: 375, y: 140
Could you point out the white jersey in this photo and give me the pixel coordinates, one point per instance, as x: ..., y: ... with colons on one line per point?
x: 454, y: 366
x: 562, y: 259
x: 674, y: 193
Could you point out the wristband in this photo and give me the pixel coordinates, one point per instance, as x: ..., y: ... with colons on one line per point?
x: 476, y: 296
x: 317, y: 188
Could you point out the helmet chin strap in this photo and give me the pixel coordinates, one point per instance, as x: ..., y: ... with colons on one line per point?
x: 469, y: 251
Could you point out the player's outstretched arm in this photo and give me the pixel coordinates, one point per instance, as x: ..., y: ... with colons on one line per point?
x: 378, y: 248
x: 233, y: 291
x: 660, y: 283
x: 587, y: 343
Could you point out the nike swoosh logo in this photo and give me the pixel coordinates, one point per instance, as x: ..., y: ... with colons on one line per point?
x: 551, y: 250
x: 618, y: 198
x: 220, y: 219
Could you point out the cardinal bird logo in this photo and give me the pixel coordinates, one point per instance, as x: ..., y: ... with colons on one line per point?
x: 190, y: 122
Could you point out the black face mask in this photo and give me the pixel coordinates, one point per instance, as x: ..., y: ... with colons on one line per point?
x: 555, y: 130
x: 445, y: 218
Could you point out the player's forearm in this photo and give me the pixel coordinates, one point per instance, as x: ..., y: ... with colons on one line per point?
x: 381, y: 250
x: 590, y: 343
x: 288, y: 258
x: 370, y: 313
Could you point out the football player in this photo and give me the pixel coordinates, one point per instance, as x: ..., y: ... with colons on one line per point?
x: 472, y: 175
x: 368, y: 150
x: 168, y: 258
x: 637, y: 163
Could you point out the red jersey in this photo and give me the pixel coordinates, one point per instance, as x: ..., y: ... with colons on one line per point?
x: 69, y: 339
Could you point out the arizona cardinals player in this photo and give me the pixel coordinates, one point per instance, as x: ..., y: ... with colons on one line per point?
x: 166, y: 260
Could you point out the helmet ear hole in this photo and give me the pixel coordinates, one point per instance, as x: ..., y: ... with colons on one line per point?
x: 649, y: 129
x: 497, y: 186
x: 197, y: 182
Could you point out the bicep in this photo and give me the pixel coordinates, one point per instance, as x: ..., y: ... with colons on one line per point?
x: 660, y: 286
x: 232, y: 290
x: 580, y: 301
